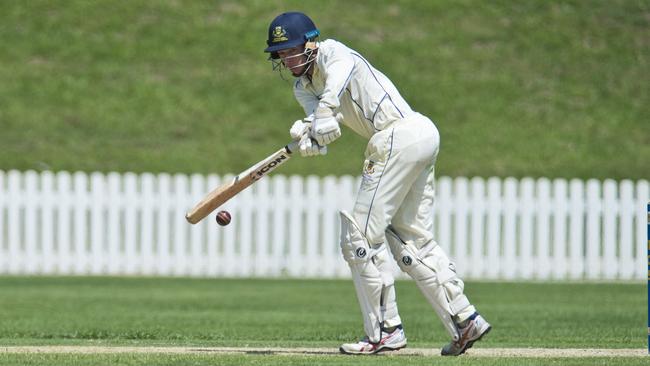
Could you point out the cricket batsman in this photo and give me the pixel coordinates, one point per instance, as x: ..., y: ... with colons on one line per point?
x: 393, y: 208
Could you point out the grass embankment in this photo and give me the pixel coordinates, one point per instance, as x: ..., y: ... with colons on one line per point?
x: 534, y: 88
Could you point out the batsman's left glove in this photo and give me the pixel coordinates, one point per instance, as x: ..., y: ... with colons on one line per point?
x: 307, y: 145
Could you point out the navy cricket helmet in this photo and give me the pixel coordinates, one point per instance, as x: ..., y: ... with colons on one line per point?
x: 289, y: 30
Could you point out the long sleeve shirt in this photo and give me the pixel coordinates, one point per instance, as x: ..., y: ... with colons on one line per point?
x: 344, y: 81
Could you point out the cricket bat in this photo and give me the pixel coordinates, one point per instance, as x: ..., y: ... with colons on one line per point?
x: 226, y: 191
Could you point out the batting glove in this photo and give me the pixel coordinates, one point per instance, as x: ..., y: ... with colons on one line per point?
x: 325, y: 127
x: 309, y: 147
x: 298, y: 129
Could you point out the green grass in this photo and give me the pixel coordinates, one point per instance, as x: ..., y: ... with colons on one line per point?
x: 303, y: 313
x: 523, y: 88
x: 297, y: 313
x: 196, y: 360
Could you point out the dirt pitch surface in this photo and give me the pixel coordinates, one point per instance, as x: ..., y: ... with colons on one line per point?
x: 475, y: 352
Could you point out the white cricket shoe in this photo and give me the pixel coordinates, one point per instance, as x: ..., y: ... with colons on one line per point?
x: 473, y: 331
x: 389, y: 342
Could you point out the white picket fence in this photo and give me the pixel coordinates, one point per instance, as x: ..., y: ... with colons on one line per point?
x: 128, y: 224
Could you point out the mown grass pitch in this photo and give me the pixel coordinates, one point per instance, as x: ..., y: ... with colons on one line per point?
x: 299, y: 313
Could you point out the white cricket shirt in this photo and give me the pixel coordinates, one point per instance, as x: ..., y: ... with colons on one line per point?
x: 344, y: 81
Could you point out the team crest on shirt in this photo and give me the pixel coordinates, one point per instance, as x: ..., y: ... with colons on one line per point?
x: 369, y: 169
x: 279, y: 34
x: 367, y: 182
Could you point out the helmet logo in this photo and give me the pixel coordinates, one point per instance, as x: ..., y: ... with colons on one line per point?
x: 279, y: 34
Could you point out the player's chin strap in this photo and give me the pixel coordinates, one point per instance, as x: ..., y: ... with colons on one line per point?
x: 310, y: 52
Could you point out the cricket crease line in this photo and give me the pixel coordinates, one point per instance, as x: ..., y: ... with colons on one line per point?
x: 474, y: 352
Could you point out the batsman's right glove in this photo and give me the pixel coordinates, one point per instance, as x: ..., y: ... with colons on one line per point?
x: 307, y: 146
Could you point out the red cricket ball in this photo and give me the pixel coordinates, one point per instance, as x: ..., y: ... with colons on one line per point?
x: 223, y: 218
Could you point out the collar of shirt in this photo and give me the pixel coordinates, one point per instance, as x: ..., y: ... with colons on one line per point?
x: 306, y: 80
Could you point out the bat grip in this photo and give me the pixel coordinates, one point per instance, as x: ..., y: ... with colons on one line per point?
x: 292, y: 146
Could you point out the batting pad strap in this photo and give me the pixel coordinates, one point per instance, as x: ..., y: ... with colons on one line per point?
x: 381, y: 259
x: 459, y: 304
x: 427, y: 248
x: 445, y: 274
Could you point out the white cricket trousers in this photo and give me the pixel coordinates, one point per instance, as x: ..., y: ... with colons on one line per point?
x: 398, y: 182
x: 398, y: 190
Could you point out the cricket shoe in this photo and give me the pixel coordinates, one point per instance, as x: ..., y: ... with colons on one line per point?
x: 473, y: 331
x: 389, y: 342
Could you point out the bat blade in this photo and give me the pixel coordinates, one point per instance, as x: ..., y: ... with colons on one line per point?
x: 226, y: 191
x: 217, y: 197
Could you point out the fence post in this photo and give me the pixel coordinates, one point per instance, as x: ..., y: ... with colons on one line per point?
x: 329, y: 235
x: 64, y: 198
x: 576, y: 229
x: 179, y: 225
x: 146, y: 230
x: 279, y: 223
x: 560, y: 212
x: 131, y: 219
x: 314, y: 201
x: 593, y: 230
x: 295, y: 266
x: 31, y: 199
x: 494, y: 228
x: 47, y: 223
x: 97, y: 255
x: 261, y: 228
x: 14, y: 222
x: 80, y: 223
x: 198, y: 188
x: 162, y: 217
x: 477, y: 235
x: 460, y: 254
x: 244, y: 232
x: 543, y: 228
x: 610, y: 214
x: 510, y: 211
x: 115, y: 205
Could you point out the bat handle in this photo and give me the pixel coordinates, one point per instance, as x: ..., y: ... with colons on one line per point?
x: 295, y: 144
x: 292, y: 146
